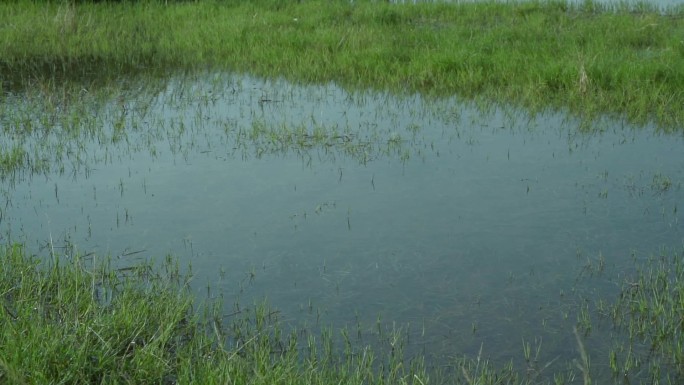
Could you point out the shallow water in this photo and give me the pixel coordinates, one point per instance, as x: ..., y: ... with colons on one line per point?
x: 467, y: 229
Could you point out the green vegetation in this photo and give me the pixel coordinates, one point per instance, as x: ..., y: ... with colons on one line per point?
x: 590, y: 59
x: 80, y: 322
x: 650, y: 312
x: 51, y: 132
x: 76, y: 320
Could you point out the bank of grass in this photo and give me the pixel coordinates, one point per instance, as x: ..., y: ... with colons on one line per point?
x: 78, y: 321
x: 588, y: 58
x: 74, y: 321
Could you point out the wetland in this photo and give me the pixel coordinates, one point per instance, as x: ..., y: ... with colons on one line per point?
x: 315, y: 221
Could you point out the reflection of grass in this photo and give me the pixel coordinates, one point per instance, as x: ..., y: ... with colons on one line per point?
x: 535, y: 54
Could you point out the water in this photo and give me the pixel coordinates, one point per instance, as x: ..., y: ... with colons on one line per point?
x: 467, y: 229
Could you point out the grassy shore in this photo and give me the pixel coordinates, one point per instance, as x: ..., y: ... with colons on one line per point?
x: 79, y: 321
x: 588, y: 59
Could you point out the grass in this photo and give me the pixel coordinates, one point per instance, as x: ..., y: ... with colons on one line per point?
x: 74, y: 131
x: 650, y: 314
x: 76, y: 320
x: 67, y: 324
x: 588, y: 59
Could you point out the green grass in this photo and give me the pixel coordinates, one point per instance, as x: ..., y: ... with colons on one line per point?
x: 80, y: 320
x: 63, y: 323
x: 587, y: 59
x: 650, y: 313
x: 75, y: 321
x: 75, y: 131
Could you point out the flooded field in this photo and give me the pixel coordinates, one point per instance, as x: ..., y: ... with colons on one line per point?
x: 465, y: 229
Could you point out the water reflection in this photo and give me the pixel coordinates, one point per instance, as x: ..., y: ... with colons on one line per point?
x: 470, y: 229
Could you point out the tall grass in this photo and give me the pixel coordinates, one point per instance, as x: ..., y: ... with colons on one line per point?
x: 62, y: 322
x: 587, y: 58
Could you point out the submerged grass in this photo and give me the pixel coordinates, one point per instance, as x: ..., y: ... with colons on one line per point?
x: 650, y: 313
x: 76, y: 130
x: 588, y: 58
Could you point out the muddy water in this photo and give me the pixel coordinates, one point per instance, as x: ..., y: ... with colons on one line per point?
x: 467, y: 229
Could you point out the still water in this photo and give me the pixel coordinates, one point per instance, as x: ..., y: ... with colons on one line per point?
x: 468, y: 229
